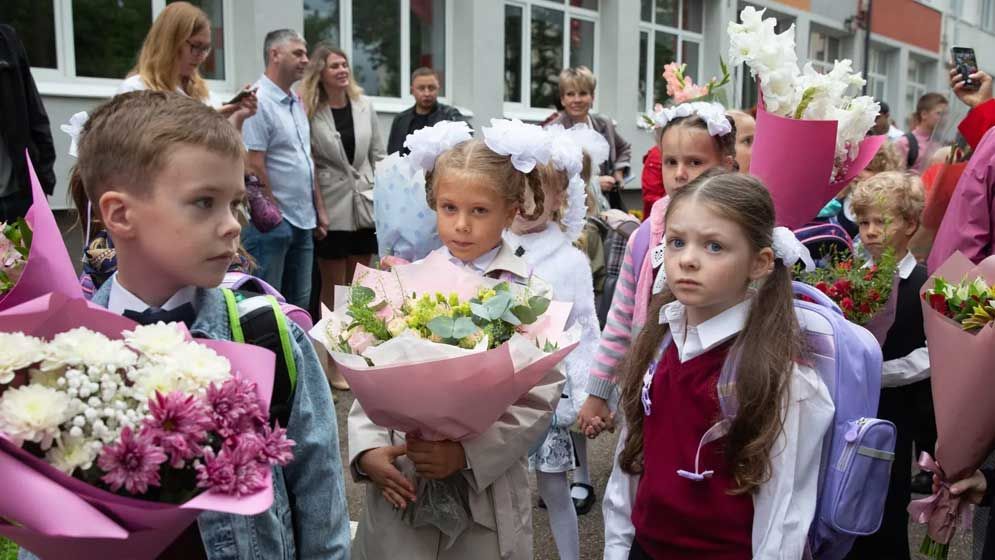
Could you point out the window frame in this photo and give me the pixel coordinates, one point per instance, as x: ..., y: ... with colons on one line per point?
x: 883, y: 55
x: 922, y: 67
x: 389, y: 104
x: 523, y: 109
x: 62, y: 80
x: 824, y: 66
x: 986, y: 15
x: 651, y: 28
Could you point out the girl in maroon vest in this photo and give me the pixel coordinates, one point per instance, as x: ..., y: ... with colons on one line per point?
x: 708, y: 486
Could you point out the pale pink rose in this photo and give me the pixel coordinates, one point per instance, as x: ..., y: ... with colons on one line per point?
x: 360, y: 340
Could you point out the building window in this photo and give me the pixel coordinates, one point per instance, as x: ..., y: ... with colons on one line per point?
x: 987, y: 15
x: 915, y: 86
x: 823, y: 51
x: 385, y: 40
x: 34, y: 22
x: 67, y: 40
x: 556, y: 35
x: 669, y: 31
x: 877, y: 74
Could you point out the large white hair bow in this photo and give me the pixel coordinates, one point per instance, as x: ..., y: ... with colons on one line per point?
x: 592, y: 142
x: 789, y: 250
x: 427, y: 144
x: 74, y: 129
x: 567, y: 154
x: 714, y: 115
x: 527, y: 144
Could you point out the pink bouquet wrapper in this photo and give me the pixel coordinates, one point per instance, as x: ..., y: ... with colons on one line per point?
x: 882, y: 321
x: 57, y: 516
x: 49, y: 268
x: 455, y: 398
x: 961, y: 369
x: 794, y: 159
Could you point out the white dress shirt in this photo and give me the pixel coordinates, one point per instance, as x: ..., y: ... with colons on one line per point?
x: 121, y: 300
x: 914, y: 366
x: 478, y: 265
x: 783, y: 507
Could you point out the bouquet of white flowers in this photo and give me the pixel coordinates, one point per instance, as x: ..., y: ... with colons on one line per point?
x: 831, y: 116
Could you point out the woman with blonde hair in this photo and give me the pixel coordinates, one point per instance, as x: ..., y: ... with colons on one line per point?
x: 174, y: 48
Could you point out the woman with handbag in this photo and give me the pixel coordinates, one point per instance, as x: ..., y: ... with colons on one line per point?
x: 345, y: 143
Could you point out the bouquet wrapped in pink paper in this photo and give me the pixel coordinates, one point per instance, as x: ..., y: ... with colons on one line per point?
x: 418, y: 347
x: 46, y: 267
x: 432, y: 350
x: 810, y: 135
x: 961, y: 342
x: 118, y: 435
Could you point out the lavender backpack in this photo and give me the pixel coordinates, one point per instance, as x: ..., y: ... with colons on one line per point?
x: 858, y: 450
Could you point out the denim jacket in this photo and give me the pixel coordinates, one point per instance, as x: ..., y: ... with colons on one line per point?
x: 309, y: 518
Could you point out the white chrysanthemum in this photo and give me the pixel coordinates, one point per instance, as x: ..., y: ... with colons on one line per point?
x: 159, y: 339
x: 72, y: 453
x: 33, y: 413
x: 18, y: 351
x: 83, y: 347
x: 199, y: 366
x: 48, y: 378
x: 150, y: 378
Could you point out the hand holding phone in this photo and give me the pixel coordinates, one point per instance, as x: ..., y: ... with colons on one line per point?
x: 966, y: 64
x: 241, y: 95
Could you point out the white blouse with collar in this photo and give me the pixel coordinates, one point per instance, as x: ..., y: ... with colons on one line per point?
x: 784, y: 507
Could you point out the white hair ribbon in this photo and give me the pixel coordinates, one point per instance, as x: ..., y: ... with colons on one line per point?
x: 789, y: 250
x: 425, y: 145
x: 74, y: 128
x: 527, y: 144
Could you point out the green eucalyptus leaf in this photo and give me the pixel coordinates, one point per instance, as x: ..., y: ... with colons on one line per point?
x: 502, y: 287
x: 442, y: 327
x: 539, y: 305
x: 463, y: 327
x: 361, y: 295
x: 509, y: 317
x: 480, y: 311
x: 497, y: 305
x: 524, y: 313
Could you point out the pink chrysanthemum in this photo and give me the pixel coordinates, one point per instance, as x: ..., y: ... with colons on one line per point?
x: 179, y: 424
x: 235, y: 407
x: 235, y: 469
x: 132, y: 462
x: 276, y: 446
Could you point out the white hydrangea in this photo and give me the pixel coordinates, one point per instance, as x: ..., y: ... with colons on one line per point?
x: 33, y: 413
x: 18, y: 351
x: 83, y: 347
x: 159, y: 339
x: 72, y: 453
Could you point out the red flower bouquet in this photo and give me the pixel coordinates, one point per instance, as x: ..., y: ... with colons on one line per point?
x: 865, y: 292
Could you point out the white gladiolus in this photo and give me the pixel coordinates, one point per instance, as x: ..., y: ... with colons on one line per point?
x: 808, y: 94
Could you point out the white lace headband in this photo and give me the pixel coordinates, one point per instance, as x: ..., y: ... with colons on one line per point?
x: 786, y: 248
x: 425, y: 145
x: 527, y: 144
x: 714, y: 115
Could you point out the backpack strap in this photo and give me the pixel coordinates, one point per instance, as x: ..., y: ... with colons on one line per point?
x: 258, y: 320
x: 640, y: 246
x: 913, y: 149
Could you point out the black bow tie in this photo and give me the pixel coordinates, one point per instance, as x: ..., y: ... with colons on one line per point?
x: 183, y: 314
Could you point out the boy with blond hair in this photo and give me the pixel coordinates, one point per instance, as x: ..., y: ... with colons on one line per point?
x: 888, y: 209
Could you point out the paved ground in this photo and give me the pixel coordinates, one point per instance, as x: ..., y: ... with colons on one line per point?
x: 591, y: 527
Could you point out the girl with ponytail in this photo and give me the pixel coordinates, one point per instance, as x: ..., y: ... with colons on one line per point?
x: 726, y: 298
